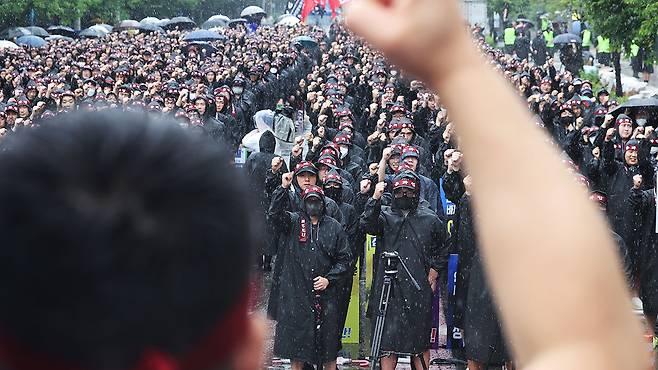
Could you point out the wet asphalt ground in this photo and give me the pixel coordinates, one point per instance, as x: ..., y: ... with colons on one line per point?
x: 348, y: 352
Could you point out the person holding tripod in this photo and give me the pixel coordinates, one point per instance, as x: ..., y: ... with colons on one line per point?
x: 417, y: 237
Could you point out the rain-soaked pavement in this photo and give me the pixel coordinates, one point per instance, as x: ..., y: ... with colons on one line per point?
x: 349, y: 351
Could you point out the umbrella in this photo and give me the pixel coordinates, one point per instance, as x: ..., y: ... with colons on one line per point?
x: 38, y: 31
x: 103, y: 25
x: 204, y: 47
x: 220, y: 17
x: 4, y: 44
x: 62, y: 30
x: 92, y: 33
x: 288, y: 20
x: 150, y: 27
x: 58, y: 37
x: 251, y: 11
x: 632, y: 106
x: 31, y: 41
x: 214, y: 23
x: 182, y: 23
x: 163, y: 21
x: 100, y: 28
x: 128, y: 24
x: 203, y: 35
x: 234, y: 22
x: 526, y: 21
x: 567, y: 38
x: 149, y: 20
x: 14, y: 32
x: 305, y: 41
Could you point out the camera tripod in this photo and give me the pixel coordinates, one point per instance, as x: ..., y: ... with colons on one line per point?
x: 391, y: 260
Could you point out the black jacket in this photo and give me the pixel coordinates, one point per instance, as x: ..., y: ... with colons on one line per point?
x: 419, y: 238
x: 307, y: 251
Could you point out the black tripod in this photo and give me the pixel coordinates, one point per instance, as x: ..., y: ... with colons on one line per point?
x: 391, y: 260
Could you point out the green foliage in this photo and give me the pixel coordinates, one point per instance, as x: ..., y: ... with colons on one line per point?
x: 615, y: 19
x: 647, y: 24
x: 530, y: 8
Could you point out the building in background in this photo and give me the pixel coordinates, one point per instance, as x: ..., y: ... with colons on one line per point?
x: 475, y: 12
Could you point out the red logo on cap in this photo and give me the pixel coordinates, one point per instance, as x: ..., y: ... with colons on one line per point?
x: 405, y: 183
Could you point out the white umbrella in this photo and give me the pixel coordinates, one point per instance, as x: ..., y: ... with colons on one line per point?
x: 100, y: 28
x: 106, y: 26
x: 128, y: 24
x: 4, y: 44
x: 288, y: 20
x: 220, y: 17
x: 149, y: 20
x: 251, y: 11
x: 58, y: 37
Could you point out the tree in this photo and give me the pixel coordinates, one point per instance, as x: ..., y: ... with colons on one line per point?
x: 11, y: 11
x: 14, y: 13
x: 648, y: 25
x: 619, y: 20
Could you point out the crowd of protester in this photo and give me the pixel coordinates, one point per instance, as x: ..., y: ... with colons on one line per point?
x: 356, y: 147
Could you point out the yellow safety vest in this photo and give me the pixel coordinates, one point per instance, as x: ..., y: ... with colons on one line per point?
x: 634, y: 50
x: 510, y: 36
x: 604, y: 44
x: 548, y: 36
x: 544, y: 24
x: 587, y: 38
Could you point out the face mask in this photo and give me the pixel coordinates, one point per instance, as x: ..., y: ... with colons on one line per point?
x: 566, y: 121
x: 314, y: 208
x: 273, y: 71
x: 404, y: 203
x: 641, y: 121
x: 91, y: 92
x: 343, y: 152
x: 237, y: 90
x: 334, y: 193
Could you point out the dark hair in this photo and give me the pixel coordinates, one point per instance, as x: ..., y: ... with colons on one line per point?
x: 120, y: 233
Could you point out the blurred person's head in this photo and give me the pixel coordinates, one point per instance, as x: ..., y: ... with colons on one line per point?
x: 123, y: 232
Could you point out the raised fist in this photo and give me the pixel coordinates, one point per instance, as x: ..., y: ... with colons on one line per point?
x: 364, y: 187
x: 387, y: 153
x: 379, y: 190
x: 277, y: 162
x: 286, y: 179
x: 372, y: 169
x: 296, y: 150
x: 609, y: 134
x: 455, y: 161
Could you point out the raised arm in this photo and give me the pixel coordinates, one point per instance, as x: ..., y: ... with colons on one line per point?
x: 561, y: 291
x: 279, y: 211
x: 371, y: 220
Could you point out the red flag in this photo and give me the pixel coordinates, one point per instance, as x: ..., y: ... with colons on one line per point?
x: 307, y: 8
x: 334, y: 4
